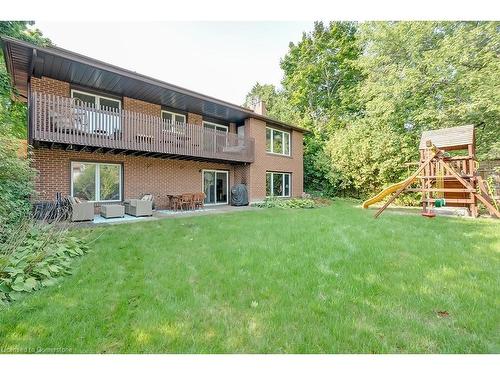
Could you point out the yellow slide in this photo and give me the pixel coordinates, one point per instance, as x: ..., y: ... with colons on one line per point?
x: 388, y: 190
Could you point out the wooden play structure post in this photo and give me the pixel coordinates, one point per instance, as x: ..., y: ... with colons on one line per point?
x: 444, y: 179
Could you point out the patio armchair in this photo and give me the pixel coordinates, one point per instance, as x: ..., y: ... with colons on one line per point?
x: 139, y: 207
x: 81, y: 210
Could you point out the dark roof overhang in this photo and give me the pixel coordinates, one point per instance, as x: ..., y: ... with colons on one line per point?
x: 24, y: 60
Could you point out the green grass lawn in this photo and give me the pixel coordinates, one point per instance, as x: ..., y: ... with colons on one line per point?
x: 327, y: 280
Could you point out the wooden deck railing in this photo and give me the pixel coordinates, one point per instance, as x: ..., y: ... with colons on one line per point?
x: 463, y: 165
x: 68, y: 121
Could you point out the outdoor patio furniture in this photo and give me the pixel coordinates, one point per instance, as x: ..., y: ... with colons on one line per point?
x: 68, y: 121
x: 140, y: 207
x: 199, y: 200
x: 187, y: 201
x: 174, y: 201
x: 109, y: 211
x: 81, y: 210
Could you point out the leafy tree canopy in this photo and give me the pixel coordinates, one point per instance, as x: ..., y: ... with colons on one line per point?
x: 320, y: 74
x: 13, y: 118
x: 428, y: 75
x: 367, y: 91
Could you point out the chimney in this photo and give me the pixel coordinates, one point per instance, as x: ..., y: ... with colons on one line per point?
x: 258, y: 106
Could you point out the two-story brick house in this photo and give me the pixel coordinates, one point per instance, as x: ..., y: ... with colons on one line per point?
x: 106, y: 134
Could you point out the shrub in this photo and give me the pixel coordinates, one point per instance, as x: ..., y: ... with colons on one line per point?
x: 34, y: 255
x: 292, y: 203
x: 16, y: 186
x: 365, y: 158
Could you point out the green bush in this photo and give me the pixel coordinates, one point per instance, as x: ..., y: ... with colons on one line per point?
x: 16, y: 186
x: 34, y: 256
x: 366, y: 158
x: 291, y: 203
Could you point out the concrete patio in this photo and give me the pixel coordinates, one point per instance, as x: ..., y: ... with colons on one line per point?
x: 164, y: 214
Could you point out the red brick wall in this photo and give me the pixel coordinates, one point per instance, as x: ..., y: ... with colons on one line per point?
x: 193, y: 118
x: 54, y: 170
x: 141, y: 174
x: 140, y: 106
x: 264, y: 162
x: 51, y: 86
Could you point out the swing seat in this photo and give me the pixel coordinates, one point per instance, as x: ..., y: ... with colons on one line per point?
x: 429, y: 214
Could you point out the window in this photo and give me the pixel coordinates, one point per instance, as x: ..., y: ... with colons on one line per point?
x: 277, y: 141
x: 96, y: 101
x: 107, y: 121
x: 277, y: 184
x: 213, y: 141
x: 173, y: 117
x: 98, y: 182
x: 211, y: 125
x: 175, y: 121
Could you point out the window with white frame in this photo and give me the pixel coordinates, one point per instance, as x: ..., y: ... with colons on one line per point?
x: 173, y: 117
x: 278, y: 184
x: 97, y: 182
x: 214, y: 126
x: 175, y: 121
x: 106, y: 121
x: 214, y: 140
x: 277, y: 141
x: 96, y: 101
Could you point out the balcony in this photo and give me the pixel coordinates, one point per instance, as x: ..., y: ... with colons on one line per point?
x: 63, y: 121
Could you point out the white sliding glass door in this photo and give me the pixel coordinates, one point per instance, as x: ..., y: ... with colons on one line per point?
x: 215, y: 186
x: 214, y: 140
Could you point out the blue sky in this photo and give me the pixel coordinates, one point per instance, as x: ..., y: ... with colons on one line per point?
x: 221, y: 59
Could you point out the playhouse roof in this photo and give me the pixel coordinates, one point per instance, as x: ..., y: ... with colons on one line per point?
x: 450, y: 138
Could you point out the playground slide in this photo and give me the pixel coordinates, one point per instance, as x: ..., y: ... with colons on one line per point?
x: 388, y: 190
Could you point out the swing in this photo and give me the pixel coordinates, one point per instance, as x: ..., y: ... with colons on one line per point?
x: 429, y: 212
x: 440, y: 201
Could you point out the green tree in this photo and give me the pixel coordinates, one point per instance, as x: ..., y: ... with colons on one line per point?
x: 319, y: 93
x: 366, y: 92
x: 320, y: 82
x: 277, y: 103
x: 13, y: 113
x: 428, y: 75
x: 16, y: 176
x: 320, y: 74
x: 417, y: 76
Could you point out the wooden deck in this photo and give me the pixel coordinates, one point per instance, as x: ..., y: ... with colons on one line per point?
x: 62, y: 121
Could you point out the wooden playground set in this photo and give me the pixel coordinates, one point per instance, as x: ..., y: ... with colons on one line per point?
x: 443, y: 179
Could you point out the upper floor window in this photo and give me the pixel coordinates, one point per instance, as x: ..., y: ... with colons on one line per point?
x: 103, y: 116
x: 173, y: 117
x: 277, y: 141
x: 96, y: 101
x: 215, y: 140
x: 175, y: 121
x: 214, y: 126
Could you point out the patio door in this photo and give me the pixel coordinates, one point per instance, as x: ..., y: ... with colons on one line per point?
x: 102, y: 116
x: 215, y: 186
x: 215, y: 139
